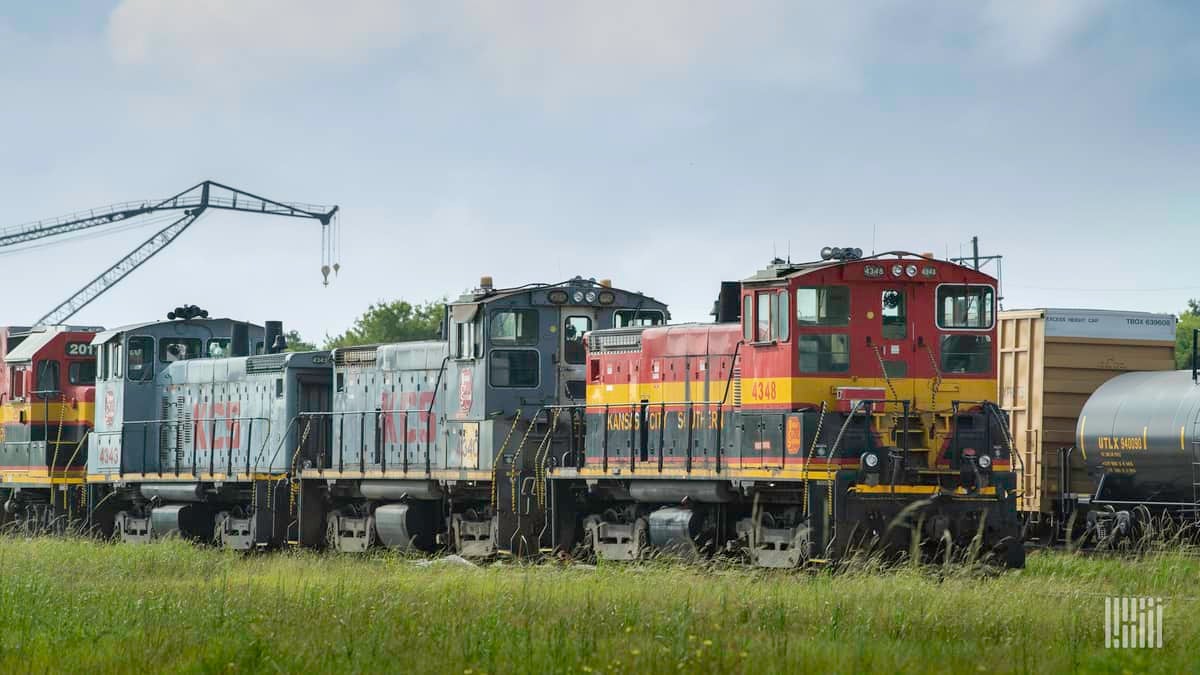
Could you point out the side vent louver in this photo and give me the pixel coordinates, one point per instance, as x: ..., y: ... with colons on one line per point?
x: 266, y: 363
x: 737, y: 386
x: 164, y: 433
x: 355, y: 356
x: 615, y: 340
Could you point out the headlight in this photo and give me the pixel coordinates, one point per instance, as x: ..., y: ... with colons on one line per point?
x: 985, y: 461
x: 578, y: 297
x: 871, y: 460
x: 897, y: 270
x: 591, y: 296
x: 911, y: 270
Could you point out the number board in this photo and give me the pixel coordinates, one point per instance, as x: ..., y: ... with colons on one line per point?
x: 81, y: 349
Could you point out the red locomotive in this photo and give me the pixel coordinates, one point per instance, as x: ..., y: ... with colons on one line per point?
x: 835, y: 404
x: 47, y: 403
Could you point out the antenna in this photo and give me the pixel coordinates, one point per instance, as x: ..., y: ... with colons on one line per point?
x: 978, y: 262
x: 873, y: 228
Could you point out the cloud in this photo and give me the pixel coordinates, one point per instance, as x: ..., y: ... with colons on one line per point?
x: 1025, y: 33
x: 561, y: 45
x: 533, y: 43
x: 265, y: 37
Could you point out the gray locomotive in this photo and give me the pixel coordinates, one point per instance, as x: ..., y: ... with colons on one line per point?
x: 438, y: 444
x: 194, y: 431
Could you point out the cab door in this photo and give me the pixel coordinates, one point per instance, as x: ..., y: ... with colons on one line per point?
x: 574, y: 323
x: 892, y: 342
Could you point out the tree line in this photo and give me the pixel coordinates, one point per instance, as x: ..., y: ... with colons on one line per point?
x: 1189, y: 320
x: 383, y: 322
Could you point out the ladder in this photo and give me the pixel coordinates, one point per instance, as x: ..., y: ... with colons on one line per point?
x: 1195, y: 478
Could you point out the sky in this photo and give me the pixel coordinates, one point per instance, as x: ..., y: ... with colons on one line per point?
x: 666, y: 145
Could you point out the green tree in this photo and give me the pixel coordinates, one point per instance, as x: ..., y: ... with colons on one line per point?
x: 295, y: 343
x: 1189, y: 321
x: 396, y: 321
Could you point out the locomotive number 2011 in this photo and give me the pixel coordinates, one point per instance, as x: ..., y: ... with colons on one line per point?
x: 763, y: 391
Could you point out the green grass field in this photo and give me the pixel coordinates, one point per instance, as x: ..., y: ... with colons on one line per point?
x: 81, y: 606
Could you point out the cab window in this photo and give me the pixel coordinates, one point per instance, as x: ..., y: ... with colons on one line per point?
x: 46, y: 381
x: 637, y: 318
x: 824, y: 353
x: 824, y: 306
x: 966, y: 353
x: 514, y: 368
x: 117, y: 356
x: 141, y: 358
x: 218, y: 348
x: 574, y: 350
x: 762, y: 327
x: 464, y: 340
x: 969, y: 307
x: 178, y: 349
x: 781, y: 323
x: 82, y: 372
x: 16, y: 383
x: 893, y: 314
x: 517, y: 327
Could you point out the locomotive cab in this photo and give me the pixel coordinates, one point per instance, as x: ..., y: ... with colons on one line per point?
x: 47, y: 393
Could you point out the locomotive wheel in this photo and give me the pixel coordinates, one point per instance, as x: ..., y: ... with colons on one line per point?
x: 119, y: 527
x: 331, y: 532
x: 641, y: 538
x: 218, y: 538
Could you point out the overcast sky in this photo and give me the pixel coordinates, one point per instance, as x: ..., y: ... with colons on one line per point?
x: 667, y: 145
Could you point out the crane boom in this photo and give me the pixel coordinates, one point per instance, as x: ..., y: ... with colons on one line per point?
x: 193, y: 202
x: 119, y: 270
x: 207, y: 193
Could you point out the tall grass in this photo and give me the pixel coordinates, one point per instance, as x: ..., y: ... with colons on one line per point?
x: 77, y: 605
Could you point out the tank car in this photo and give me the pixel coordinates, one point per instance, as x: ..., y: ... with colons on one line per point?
x: 195, y: 434
x: 842, y: 403
x: 47, y: 395
x: 436, y: 444
x: 1139, y: 436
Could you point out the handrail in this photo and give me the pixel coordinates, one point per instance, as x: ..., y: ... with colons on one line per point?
x: 228, y: 422
x: 379, y: 413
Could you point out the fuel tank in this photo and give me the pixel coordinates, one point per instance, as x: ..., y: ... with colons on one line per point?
x: 1138, y: 434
